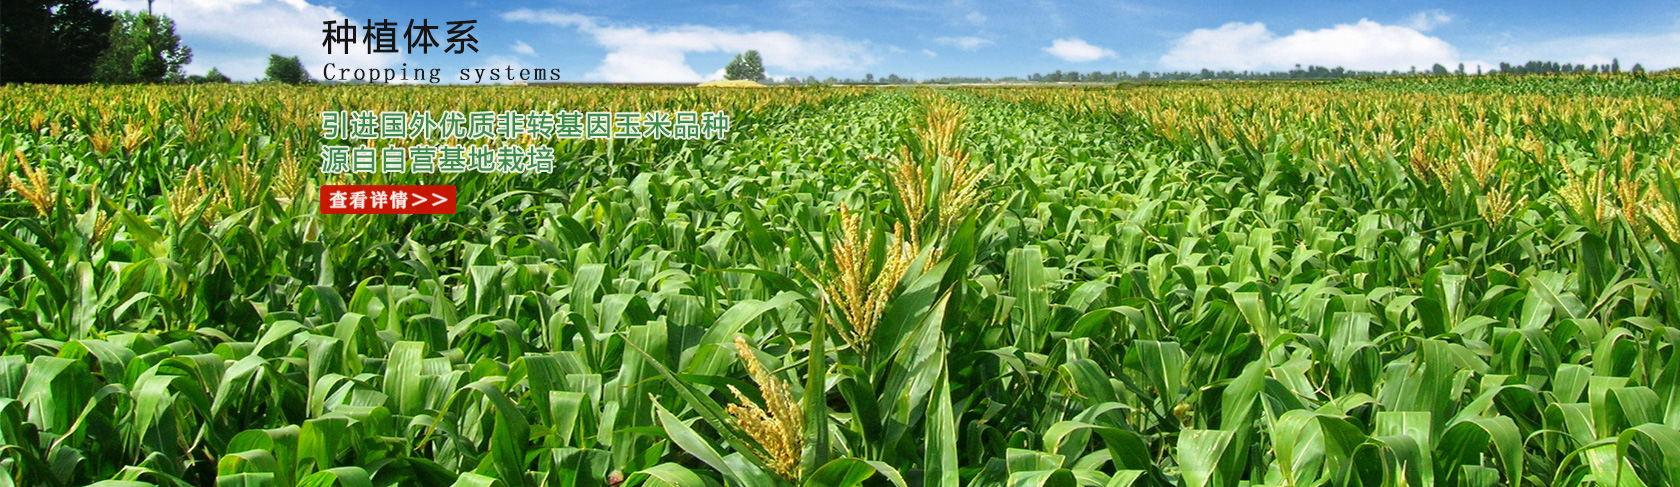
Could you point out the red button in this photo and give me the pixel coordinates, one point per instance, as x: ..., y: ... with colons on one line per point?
x: 341, y: 199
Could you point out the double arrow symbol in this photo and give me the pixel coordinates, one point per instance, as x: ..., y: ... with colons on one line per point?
x: 421, y: 199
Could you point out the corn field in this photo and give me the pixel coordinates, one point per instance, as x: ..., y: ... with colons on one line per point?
x: 1423, y: 282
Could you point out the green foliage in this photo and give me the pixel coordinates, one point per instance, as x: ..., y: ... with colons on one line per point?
x: 1297, y: 285
x: 51, y: 41
x: 213, y: 76
x: 144, y: 48
x: 747, y: 66
x: 288, y: 70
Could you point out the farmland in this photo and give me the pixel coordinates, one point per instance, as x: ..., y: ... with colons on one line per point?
x: 1454, y: 282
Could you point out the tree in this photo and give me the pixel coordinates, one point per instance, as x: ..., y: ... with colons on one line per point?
x: 51, y: 41
x: 1438, y: 70
x: 213, y: 76
x: 144, y: 49
x: 736, y: 69
x: 748, y: 65
x: 1638, y: 68
x: 288, y: 70
x: 754, y: 65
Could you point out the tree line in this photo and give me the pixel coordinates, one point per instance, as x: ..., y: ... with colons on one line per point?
x: 1298, y: 73
x: 1322, y: 72
x: 70, y: 41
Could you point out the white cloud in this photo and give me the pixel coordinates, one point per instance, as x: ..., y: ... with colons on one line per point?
x: 1428, y: 20
x: 255, y: 29
x: 930, y: 53
x: 975, y: 18
x: 522, y: 48
x: 1077, y: 51
x: 659, y: 54
x: 967, y: 43
x: 1364, y: 45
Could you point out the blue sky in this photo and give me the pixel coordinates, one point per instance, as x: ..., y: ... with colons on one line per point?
x: 626, y: 40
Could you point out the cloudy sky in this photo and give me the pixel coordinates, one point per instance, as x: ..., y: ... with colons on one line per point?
x: 631, y: 40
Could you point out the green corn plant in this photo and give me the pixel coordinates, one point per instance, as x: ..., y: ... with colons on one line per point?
x: 1418, y: 282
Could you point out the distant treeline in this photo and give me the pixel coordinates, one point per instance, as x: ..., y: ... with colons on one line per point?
x: 70, y: 41
x: 1304, y: 73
